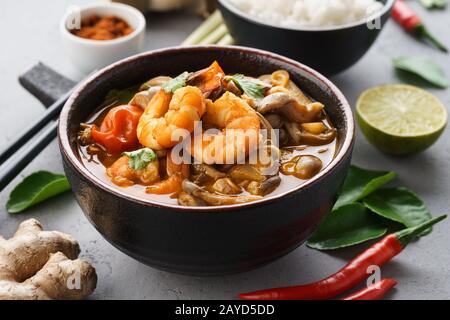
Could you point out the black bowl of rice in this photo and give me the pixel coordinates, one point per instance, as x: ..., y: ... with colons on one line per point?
x: 328, y: 35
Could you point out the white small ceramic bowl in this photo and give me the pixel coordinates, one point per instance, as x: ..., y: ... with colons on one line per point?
x: 88, y: 55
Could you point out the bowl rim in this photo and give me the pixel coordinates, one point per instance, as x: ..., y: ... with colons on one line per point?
x: 141, y: 24
x: 229, y: 6
x: 66, y: 150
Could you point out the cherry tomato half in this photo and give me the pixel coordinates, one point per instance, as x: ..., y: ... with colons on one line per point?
x: 117, y: 133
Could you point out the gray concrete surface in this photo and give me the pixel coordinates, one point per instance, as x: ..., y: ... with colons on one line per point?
x: 422, y: 270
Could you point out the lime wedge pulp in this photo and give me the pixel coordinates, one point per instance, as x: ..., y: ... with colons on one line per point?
x: 400, y: 119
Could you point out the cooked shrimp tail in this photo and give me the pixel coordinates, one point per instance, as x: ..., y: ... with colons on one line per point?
x: 176, y: 174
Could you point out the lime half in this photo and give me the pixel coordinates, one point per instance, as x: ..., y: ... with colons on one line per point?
x: 400, y: 119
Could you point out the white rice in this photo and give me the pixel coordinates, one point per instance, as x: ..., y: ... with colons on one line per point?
x: 309, y: 13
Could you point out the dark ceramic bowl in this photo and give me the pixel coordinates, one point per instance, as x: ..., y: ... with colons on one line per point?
x: 203, y: 240
x: 330, y: 50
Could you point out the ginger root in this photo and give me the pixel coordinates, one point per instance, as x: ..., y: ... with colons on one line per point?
x: 40, y: 265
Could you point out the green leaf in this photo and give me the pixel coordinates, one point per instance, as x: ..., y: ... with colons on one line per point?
x: 36, y: 188
x: 430, y: 4
x: 119, y: 96
x: 253, y: 88
x: 140, y: 159
x: 400, y: 205
x: 423, y: 67
x: 360, y: 183
x: 349, y: 225
x: 176, y: 83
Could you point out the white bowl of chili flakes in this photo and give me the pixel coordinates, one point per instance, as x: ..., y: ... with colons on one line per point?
x: 96, y: 35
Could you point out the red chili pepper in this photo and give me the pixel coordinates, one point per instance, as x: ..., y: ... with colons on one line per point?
x: 373, y: 292
x: 117, y: 132
x: 351, y: 274
x: 411, y: 22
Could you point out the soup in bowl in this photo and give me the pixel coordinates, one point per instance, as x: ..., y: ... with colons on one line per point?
x: 206, y: 160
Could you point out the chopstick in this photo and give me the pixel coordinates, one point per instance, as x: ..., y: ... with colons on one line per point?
x: 50, y: 114
x: 32, y: 146
x: 12, y: 168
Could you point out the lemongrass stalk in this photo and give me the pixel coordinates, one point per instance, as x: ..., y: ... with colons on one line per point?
x: 216, y: 35
x: 206, y: 28
x: 227, y: 40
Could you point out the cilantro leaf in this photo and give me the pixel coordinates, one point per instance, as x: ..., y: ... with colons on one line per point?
x: 176, y: 83
x: 253, y: 88
x: 140, y: 159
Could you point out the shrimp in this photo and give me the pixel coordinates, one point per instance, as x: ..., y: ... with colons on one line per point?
x: 237, y: 120
x: 122, y: 175
x: 164, y: 115
x: 176, y: 174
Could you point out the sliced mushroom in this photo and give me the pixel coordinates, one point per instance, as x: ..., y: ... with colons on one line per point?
x: 95, y: 149
x: 297, y: 93
x: 267, y: 78
x: 275, y: 120
x: 269, y: 160
x: 294, y: 132
x: 300, y: 136
x: 142, y: 98
x: 232, y: 87
x: 244, y: 183
x: 224, y: 167
x: 201, y: 178
x: 216, y: 199
x: 226, y: 186
x: 302, y: 167
x: 290, y: 107
x: 188, y: 200
x: 242, y: 172
x: 85, y: 135
x: 209, y: 171
x: 283, y: 137
x: 274, y: 102
x: 266, y: 126
x: 155, y: 82
x: 303, y: 113
x: 214, y: 94
x: 265, y: 187
x: 314, y: 127
x: 319, y: 139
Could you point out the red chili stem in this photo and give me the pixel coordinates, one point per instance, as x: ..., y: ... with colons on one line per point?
x: 374, y: 292
x: 351, y: 274
x: 346, y: 278
x: 411, y: 22
x: 423, y: 32
x: 405, y: 236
